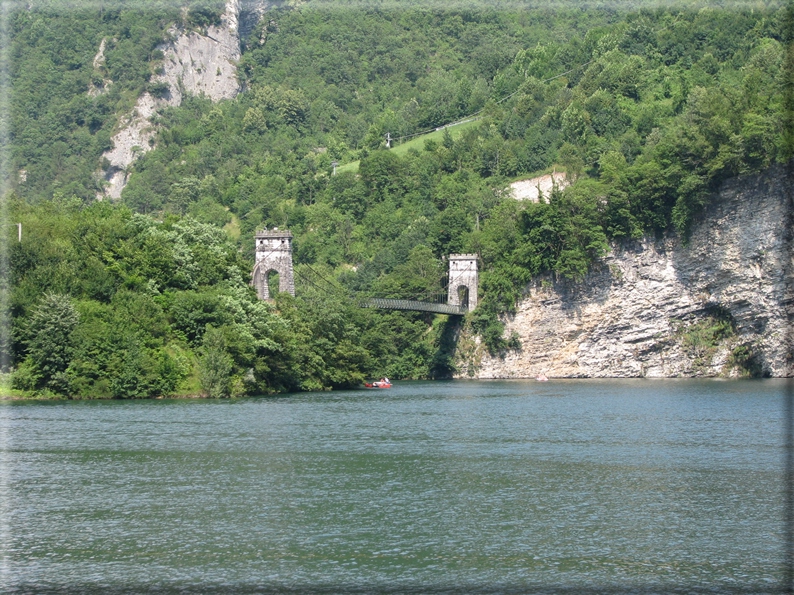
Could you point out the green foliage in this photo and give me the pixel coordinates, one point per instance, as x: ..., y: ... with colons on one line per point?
x: 702, y: 338
x: 159, y: 89
x: 60, y: 128
x: 204, y: 13
x: 49, y: 344
x: 215, y: 365
x: 646, y: 111
x: 744, y: 359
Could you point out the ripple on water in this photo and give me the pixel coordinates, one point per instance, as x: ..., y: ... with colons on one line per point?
x: 647, y: 485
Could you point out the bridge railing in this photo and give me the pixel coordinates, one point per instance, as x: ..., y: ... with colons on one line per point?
x: 415, y: 305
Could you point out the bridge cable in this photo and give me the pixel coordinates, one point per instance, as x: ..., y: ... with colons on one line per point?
x: 307, y: 279
x: 332, y: 284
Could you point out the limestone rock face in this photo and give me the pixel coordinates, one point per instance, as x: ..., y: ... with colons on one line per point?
x: 193, y: 64
x: 638, y: 313
x: 534, y: 189
x: 135, y: 137
x: 204, y: 64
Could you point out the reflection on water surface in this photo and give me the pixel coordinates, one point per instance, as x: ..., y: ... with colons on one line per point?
x: 635, y: 486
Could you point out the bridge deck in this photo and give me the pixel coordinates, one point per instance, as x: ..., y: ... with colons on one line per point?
x: 393, y: 304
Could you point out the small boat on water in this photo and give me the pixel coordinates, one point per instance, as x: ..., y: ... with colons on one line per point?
x: 542, y: 377
x: 382, y: 383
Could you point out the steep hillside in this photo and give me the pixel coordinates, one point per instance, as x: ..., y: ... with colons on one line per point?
x: 226, y: 116
x: 192, y: 63
x: 721, y: 305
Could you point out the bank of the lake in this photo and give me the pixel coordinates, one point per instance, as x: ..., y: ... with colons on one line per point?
x: 586, y: 486
x: 713, y: 304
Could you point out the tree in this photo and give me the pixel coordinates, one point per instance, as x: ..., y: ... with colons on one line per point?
x: 49, y: 344
x: 215, y: 365
x: 293, y: 107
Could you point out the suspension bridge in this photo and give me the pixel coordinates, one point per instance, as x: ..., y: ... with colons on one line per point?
x: 455, y: 302
x: 415, y: 305
x: 274, y: 255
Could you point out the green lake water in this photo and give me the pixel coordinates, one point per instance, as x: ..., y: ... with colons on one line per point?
x: 572, y: 486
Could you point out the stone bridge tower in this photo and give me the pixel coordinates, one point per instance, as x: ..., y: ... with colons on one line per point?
x: 463, y: 280
x: 273, y: 254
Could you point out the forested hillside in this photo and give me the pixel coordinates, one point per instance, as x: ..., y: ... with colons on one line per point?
x: 646, y: 111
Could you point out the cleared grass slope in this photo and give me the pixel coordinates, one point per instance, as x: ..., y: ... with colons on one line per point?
x: 418, y: 142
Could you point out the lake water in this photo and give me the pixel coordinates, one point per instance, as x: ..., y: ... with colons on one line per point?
x: 503, y: 486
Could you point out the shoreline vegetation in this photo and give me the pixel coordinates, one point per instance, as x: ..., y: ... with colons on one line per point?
x: 647, y: 111
x: 17, y: 396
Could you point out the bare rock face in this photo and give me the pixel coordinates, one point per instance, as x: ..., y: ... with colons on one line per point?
x: 98, y: 64
x: 534, y: 189
x: 135, y: 137
x: 204, y: 64
x: 723, y: 305
x: 193, y: 64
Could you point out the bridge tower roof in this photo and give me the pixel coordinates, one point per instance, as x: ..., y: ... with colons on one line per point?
x: 273, y: 233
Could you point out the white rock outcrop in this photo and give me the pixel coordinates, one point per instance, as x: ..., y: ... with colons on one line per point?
x: 98, y: 64
x: 630, y: 317
x: 135, y: 137
x: 533, y: 188
x: 204, y: 64
x: 193, y: 64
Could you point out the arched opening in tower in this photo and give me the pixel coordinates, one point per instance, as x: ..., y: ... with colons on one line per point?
x: 272, y: 283
x: 463, y: 296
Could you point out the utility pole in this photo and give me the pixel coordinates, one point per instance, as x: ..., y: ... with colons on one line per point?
x: 334, y: 164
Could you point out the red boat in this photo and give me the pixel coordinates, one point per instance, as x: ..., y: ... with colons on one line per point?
x: 379, y: 384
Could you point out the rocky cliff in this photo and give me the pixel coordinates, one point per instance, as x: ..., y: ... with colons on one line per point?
x: 721, y: 305
x: 193, y: 63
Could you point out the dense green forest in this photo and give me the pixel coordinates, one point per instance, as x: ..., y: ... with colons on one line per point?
x: 645, y: 110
